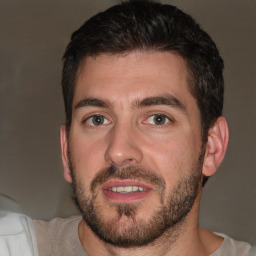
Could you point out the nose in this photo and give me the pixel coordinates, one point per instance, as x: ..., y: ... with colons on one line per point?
x: 123, y: 147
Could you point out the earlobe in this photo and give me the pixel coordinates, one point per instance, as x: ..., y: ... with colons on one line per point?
x: 216, y: 146
x: 64, y: 153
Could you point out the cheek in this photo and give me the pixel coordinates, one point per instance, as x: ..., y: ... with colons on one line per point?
x: 87, y: 157
x: 173, y: 156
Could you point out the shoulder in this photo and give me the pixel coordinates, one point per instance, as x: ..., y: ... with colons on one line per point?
x: 58, y: 236
x: 233, y: 247
x: 13, y: 223
x: 16, y: 235
x: 57, y: 226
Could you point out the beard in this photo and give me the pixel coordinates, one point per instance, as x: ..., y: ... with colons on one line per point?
x: 125, y: 229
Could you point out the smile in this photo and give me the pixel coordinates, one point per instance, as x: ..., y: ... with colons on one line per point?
x: 127, y: 189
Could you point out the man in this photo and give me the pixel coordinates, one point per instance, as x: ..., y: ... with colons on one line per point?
x: 143, y: 93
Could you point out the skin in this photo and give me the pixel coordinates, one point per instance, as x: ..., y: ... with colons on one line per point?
x: 130, y: 136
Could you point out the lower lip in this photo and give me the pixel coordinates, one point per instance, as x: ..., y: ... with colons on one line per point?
x: 125, y: 197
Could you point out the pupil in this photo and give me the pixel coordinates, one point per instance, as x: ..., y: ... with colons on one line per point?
x: 159, y: 119
x: 98, y: 120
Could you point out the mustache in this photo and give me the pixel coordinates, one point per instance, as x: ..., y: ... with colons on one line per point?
x: 128, y: 172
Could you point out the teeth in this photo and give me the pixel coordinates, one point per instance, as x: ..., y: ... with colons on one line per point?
x: 127, y: 189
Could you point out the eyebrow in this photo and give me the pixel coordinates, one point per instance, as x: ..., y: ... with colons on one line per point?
x: 165, y: 99
x: 92, y: 102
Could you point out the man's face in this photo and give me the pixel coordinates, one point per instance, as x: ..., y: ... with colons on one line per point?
x: 135, y: 151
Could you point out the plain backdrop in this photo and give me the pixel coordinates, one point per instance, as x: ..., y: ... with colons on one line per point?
x: 33, y: 36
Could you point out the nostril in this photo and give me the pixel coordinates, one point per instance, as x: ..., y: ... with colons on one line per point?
x: 130, y: 161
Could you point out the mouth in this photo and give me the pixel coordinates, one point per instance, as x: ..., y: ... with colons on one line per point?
x: 125, y: 191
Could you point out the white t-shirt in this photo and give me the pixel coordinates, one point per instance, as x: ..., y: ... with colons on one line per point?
x: 17, y: 236
x: 21, y: 236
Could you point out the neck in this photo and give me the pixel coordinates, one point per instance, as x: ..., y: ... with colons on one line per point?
x: 185, y: 238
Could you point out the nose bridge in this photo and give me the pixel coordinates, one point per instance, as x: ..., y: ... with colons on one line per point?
x: 123, y: 147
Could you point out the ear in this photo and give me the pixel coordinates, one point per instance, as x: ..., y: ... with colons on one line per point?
x: 216, y: 146
x: 64, y: 153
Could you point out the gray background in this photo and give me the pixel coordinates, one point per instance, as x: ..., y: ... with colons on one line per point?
x: 33, y: 37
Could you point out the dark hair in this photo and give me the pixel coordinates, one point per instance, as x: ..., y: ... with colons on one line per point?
x: 146, y: 25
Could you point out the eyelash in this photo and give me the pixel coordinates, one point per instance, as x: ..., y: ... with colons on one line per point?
x: 96, y: 116
x: 167, y: 120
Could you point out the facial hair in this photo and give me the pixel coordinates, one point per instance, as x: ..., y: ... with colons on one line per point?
x: 134, y: 232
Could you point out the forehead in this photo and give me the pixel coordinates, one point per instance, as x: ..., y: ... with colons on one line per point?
x: 125, y: 78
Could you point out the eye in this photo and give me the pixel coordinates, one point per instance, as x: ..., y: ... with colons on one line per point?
x: 158, y: 119
x: 97, y: 120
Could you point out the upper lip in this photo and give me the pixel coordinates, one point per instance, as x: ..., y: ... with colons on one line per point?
x: 124, y: 183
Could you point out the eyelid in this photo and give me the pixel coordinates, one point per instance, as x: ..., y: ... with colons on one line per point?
x: 85, y: 120
x: 167, y: 116
x: 87, y: 115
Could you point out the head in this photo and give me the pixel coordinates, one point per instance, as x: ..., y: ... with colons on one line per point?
x: 148, y: 26
x: 135, y: 49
